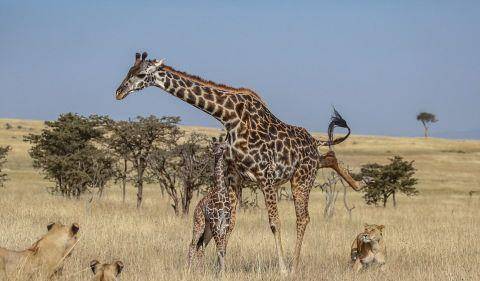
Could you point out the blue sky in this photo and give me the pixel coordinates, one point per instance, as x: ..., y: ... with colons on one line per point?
x: 378, y: 62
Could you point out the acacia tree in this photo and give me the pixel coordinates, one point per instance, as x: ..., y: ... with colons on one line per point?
x: 181, y: 167
x: 196, y: 166
x: 68, y: 151
x: 386, y: 181
x: 426, y: 118
x: 118, y: 145
x: 3, y: 159
x: 137, y: 139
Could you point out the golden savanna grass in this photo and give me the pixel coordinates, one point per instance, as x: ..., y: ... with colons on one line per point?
x: 431, y: 237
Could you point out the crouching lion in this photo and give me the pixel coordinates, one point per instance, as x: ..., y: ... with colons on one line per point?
x: 106, y: 271
x: 44, y: 258
x: 368, y: 247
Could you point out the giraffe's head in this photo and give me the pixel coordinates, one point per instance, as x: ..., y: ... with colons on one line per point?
x: 218, y: 147
x: 140, y: 75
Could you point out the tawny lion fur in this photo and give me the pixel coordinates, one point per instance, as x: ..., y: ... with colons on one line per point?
x: 368, y: 248
x: 45, y: 258
x: 106, y: 271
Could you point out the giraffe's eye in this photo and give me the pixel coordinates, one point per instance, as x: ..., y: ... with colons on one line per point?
x: 141, y: 76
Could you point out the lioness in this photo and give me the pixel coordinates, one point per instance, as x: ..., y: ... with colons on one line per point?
x: 44, y: 258
x: 106, y: 271
x: 368, y: 247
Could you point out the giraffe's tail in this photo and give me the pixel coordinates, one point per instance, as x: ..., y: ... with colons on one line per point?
x: 335, y: 121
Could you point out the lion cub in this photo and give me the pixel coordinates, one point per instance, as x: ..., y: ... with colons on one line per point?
x: 44, y: 258
x: 368, y: 247
x: 106, y: 271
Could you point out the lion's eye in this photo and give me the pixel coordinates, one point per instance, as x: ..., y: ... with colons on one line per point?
x: 141, y: 76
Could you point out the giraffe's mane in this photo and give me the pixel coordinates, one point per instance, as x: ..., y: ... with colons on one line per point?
x: 218, y: 86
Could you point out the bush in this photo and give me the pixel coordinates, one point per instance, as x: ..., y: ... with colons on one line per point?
x: 3, y: 159
x: 68, y: 152
x: 386, y: 181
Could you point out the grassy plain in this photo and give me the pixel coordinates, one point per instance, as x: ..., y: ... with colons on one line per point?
x: 434, y: 236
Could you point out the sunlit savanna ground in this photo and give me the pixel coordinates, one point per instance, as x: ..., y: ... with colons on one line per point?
x: 434, y: 236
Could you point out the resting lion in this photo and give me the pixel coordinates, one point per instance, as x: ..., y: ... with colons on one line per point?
x: 369, y: 247
x: 44, y: 258
x: 106, y: 271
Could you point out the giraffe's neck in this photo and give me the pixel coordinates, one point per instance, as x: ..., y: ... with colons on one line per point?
x: 212, y: 100
x: 218, y: 174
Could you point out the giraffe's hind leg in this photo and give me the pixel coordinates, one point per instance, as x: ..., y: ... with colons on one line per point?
x: 198, y: 236
x: 270, y: 194
x: 301, y: 184
x: 202, y: 245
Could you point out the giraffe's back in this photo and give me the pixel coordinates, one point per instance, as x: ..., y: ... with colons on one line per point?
x: 267, y: 149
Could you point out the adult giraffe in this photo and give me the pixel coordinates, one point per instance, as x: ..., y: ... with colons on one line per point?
x: 261, y: 148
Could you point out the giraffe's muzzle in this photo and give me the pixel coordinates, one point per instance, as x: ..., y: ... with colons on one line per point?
x: 120, y: 94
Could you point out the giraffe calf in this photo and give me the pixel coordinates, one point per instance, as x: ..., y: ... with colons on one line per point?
x: 213, y: 214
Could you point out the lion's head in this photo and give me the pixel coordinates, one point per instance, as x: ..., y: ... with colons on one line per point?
x: 57, y: 244
x: 372, y: 233
x: 106, y: 271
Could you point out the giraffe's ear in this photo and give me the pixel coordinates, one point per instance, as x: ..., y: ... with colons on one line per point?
x: 220, y: 139
x: 137, y: 58
x: 159, y: 63
x: 144, y: 55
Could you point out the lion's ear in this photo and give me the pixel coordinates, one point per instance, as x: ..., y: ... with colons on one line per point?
x: 50, y: 225
x: 366, y: 225
x: 93, y: 265
x: 74, y: 228
x: 120, y: 267
x: 381, y: 227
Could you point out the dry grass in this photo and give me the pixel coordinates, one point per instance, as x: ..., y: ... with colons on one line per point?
x: 431, y: 237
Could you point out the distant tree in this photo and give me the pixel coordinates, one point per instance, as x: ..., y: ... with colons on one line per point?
x: 250, y: 201
x: 181, y: 168
x: 196, y: 167
x: 69, y: 152
x: 386, y: 181
x: 118, y: 144
x: 3, y: 158
x: 8, y: 126
x: 426, y: 118
x: 137, y: 139
x: 164, y: 164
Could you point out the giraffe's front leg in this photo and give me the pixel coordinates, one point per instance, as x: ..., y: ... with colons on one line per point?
x: 301, y: 192
x: 234, y: 186
x: 270, y: 194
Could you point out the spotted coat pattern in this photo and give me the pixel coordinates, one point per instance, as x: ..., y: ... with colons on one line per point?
x: 213, y: 214
x: 261, y: 148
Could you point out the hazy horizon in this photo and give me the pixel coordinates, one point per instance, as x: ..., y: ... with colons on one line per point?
x: 379, y: 64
